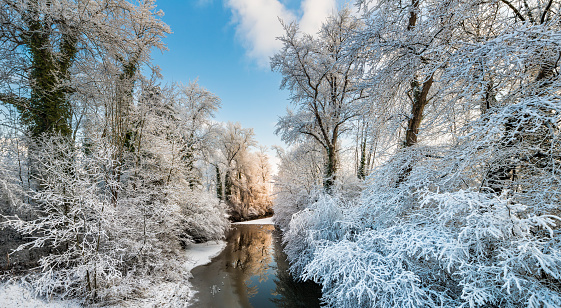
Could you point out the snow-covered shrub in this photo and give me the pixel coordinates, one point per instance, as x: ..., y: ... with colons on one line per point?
x: 368, y: 272
x: 452, y: 232
x: 288, y: 204
x: 73, y: 217
x: 150, y: 231
x: 204, y: 215
x: 316, y: 226
x: 13, y: 169
x: 102, y: 248
x: 298, y: 183
x: 455, y: 249
x: 499, y: 253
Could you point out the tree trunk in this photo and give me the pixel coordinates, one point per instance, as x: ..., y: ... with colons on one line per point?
x: 228, y: 183
x: 122, y: 133
x: 50, y: 110
x: 219, y: 190
x: 361, y: 172
x: 330, y: 169
x: 418, y: 106
x: 503, y: 172
x: 419, y: 100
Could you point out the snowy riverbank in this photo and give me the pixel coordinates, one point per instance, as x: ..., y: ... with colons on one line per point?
x: 262, y: 221
x: 15, y: 294
x: 174, y: 294
x: 201, y: 254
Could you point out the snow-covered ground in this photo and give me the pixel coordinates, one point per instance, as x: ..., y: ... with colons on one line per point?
x: 173, y: 294
x: 263, y: 221
x: 14, y: 294
x: 200, y: 254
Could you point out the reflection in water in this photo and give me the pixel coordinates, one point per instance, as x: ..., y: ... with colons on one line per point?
x: 292, y: 294
x: 251, y: 272
x: 249, y: 251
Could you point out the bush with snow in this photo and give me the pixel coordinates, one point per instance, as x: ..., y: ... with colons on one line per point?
x: 73, y: 217
x: 456, y: 249
x: 205, y: 217
x: 443, y: 236
x: 316, y: 226
x: 102, y: 249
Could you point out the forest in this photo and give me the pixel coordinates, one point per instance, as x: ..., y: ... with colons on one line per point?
x: 421, y: 168
x: 425, y: 150
x: 106, y: 173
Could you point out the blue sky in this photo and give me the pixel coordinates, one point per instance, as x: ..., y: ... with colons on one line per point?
x: 226, y: 44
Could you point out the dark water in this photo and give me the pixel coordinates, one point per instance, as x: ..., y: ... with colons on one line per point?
x: 252, y: 271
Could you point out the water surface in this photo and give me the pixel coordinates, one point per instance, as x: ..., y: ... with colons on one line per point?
x: 252, y: 271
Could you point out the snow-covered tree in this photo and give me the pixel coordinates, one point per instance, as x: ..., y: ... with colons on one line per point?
x: 117, y: 159
x: 74, y: 216
x: 323, y: 86
x: 473, y: 220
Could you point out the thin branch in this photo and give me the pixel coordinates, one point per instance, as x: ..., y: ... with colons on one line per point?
x: 542, y: 20
x: 516, y: 12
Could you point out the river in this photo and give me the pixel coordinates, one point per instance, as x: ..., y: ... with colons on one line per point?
x: 252, y: 271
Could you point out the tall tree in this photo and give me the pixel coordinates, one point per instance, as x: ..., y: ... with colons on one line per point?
x: 51, y: 39
x: 322, y: 82
x: 405, y: 47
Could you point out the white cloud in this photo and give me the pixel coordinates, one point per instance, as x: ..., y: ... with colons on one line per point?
x: 315, y: 14
x: 257, y: 23
x: 258, y: 26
